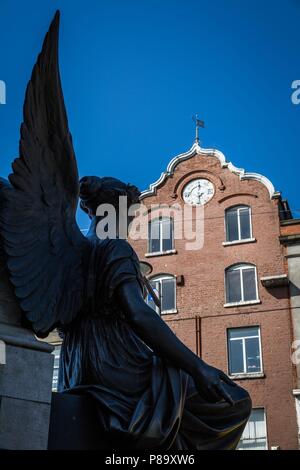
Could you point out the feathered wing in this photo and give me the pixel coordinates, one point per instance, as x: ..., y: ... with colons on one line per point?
x: 42, y: 241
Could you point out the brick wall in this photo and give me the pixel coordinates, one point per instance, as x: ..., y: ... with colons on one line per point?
x: 203, y: 291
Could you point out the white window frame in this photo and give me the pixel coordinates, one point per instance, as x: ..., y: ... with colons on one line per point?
x: 266, y: 427
x: 161, y: 251
x: 243, y: 338
x: 55, y: 368
x: 159, y: 279
x: 241, y: 267
x: 238, y: 207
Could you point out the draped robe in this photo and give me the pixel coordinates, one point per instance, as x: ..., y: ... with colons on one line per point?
x: 142, y: 400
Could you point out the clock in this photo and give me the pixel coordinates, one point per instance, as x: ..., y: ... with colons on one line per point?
x: 198, y: 192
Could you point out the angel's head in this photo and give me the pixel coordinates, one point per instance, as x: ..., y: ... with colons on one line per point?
x: 95, y: 191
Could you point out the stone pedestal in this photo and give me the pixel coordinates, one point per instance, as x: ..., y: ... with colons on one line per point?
x: 26, y: 368
x: 74, y: 424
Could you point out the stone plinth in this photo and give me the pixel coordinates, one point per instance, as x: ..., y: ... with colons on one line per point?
x: 26, y: 368
x: 74, y: 424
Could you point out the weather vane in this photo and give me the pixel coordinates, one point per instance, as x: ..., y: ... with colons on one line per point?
x: 199, y: 123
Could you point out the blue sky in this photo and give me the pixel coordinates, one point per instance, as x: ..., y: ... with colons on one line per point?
x: 135, y: 71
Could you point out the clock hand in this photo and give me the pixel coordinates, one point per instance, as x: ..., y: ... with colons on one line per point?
x: 199, y: 197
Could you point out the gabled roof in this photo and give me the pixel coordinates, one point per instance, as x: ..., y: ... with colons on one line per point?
x: 197, y: 150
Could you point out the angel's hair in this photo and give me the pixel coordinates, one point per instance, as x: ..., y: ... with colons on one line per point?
x: 94, y: 191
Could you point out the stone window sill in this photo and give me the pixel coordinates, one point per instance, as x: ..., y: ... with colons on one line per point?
x: 160, y: 253
x: 169, y: 312
x: 242, y: 304
x: 239, y: 242
x: 249, y: 376
x: 275, y: 281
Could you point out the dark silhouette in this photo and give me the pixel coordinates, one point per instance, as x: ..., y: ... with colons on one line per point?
x: 151, y: 391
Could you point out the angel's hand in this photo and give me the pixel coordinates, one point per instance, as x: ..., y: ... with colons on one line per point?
x: 210, y: 383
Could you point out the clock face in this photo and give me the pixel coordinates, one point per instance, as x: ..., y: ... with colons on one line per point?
x: 198, y: 192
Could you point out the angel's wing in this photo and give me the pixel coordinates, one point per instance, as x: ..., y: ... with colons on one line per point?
x: 42, y: 241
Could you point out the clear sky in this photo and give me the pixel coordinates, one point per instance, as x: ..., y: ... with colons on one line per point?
x: 135, y: 71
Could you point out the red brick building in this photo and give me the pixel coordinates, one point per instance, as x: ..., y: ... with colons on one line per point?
x: 229, y: 301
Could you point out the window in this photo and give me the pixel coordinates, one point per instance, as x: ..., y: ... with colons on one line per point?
x: 244, y: 349
x: 238, y: 223
x: 160, y: 235
x: 241, y: 283
x: 255, y: 433
x: 56, y: 353
x: 165, y: 289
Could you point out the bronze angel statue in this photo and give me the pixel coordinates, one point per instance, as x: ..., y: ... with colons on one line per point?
x: 151, y: 391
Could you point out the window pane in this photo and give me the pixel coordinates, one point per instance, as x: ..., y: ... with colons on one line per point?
x: 245, y: 223
x: 55, y: 380
x: 243, y: 332
x: 154, y: 235
x: 233, y: 286
x: 168, y: 294
x: 249, y: 284
x: 150, y: 301
x: 257, y: 418
x: 255, y: 435
x: 236, y: 360
x: 253, y: 355
x: 167, y: 234
x: 232, y: 231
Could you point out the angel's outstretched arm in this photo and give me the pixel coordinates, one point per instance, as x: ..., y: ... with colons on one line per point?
x: 159, y: 337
